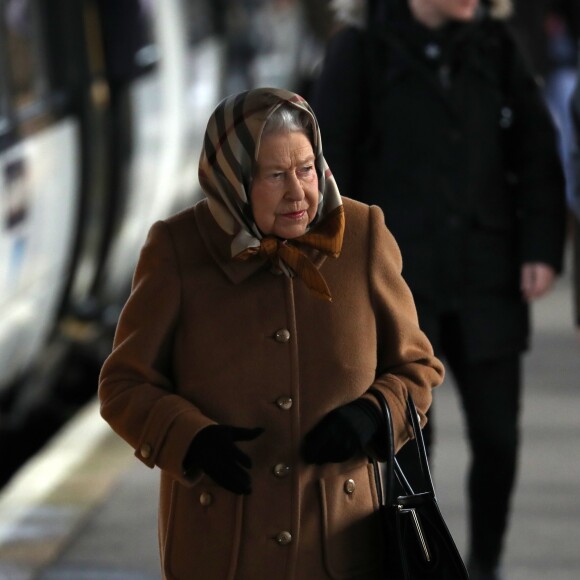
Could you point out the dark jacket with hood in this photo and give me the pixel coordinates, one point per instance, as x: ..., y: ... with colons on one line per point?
x: 447, y: 132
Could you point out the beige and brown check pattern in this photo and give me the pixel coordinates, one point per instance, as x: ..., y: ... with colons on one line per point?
x: 229, y: 154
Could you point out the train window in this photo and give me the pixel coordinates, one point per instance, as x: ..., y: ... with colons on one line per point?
x: 128, y: 29
x: 27, y: 71
x: 4, y: 101
x: 16, y: 193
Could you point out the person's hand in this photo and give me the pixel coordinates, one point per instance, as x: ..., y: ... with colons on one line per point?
x: 213, y: 450
x: 342, y: 434
x: 536, y: 279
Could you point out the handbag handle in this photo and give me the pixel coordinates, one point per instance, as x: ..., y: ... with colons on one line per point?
x: 392, y: 465
x: 387, y: 495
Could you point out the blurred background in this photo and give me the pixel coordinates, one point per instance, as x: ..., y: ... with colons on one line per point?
x: 103, y: 106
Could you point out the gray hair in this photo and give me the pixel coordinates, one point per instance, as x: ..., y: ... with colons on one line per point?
x: 288, y: 119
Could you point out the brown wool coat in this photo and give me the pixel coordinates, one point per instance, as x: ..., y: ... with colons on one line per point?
x: 203, y: 339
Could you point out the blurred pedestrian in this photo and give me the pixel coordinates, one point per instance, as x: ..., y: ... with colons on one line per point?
x: 545, y: 28
x: 575, y: 108
x: 257, y: 321
x: 243, y: 44
x: 429, y: 110
x: 549, y: 31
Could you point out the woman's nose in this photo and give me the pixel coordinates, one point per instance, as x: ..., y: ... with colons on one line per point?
x: 294, y: 189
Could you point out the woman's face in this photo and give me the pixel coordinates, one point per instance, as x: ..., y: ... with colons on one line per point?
x: 441, y: 11
x: 284, y: 194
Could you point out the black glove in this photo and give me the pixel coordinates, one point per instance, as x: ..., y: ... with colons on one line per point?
x: 214, y: 452
x: 343, y: 433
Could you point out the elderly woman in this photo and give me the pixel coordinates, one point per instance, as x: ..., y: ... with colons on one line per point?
x: 258, y: 320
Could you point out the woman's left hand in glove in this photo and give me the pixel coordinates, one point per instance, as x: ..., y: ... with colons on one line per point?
x: 343, y: 433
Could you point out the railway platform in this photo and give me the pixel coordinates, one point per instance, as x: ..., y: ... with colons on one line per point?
x: 84, y: 508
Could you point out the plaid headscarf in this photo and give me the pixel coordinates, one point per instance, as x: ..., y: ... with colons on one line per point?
x: 230, y: 151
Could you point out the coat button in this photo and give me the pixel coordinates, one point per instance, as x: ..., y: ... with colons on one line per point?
x: 506, y: 118
x: 205, y: 499
x: 282, y: 335
x: 432, y: 51
x: 281, y: 470
x: 349, y: 486
x: 285, y: 403
x: 145, y: 451
x: 284, y: 538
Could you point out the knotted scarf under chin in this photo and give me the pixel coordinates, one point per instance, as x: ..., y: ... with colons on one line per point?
x: 326, y: 237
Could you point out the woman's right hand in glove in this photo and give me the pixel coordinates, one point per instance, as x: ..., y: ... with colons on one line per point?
x: 213, y: 450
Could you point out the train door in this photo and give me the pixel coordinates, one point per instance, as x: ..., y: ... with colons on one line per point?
x: 39, y: 148
x: 163, y: 97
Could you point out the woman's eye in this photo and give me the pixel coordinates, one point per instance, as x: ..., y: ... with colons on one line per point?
x: 306, y: 170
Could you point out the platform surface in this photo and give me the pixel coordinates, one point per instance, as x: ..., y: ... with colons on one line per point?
x: 85, y: 509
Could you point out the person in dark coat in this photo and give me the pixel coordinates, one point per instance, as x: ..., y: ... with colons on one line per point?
x: 429, y: 111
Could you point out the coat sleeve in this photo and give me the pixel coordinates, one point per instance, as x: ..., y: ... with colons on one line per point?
x: 405, y: 359
x: 533, y: 156
x: 136, y: 392
x: 339, y: 101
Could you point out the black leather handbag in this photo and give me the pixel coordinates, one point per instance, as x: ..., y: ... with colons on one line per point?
x: 416, y: 543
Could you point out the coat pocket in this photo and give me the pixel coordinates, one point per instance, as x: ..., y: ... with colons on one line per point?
x: 203, y: 532
x: 350, y: 524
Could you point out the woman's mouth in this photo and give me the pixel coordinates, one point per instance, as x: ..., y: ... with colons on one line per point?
x: 294, y: 215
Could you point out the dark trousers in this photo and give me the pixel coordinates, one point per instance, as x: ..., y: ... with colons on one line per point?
x: 490, y: 397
